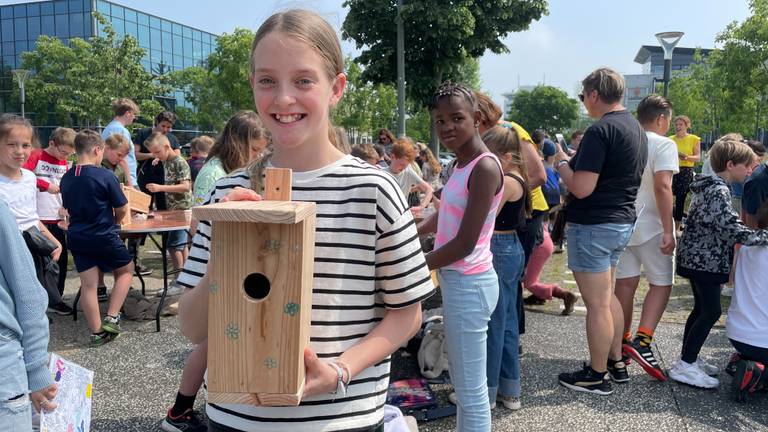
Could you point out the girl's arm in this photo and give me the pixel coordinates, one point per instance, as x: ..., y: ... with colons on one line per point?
x: 483, y: 184
x: 537, y: 175
x: 397, y: 327
x: 428, y: 225
x: 696, y: 156
x: 513, y: 190
x: 428, y: 192
x: 177, y: 188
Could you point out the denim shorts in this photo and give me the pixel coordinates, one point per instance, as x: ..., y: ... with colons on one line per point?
x: 596, y: 248
x: 177, y: 240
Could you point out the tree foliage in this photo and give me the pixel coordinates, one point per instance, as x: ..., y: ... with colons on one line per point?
x: 439, y: 36
x: 75, y: 84
x: 544, y: 107
x: 365, y: 107
x: 728, y: 91
x: 220, y: 87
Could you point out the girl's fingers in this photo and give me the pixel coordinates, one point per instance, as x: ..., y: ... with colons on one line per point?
x: 241, y: 194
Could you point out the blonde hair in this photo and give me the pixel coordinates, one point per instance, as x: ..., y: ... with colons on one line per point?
x: 156, y: 139
x: 365, y: 152
x: 724, y: 151
x: 685, y: 120
x: 201, y: 144
x: 311, y: 29
x: 117, y: 141
x: 124, y: 105
x: 62, y: 136
x: 608, y: 83
x: 427, y: 154
x: 500, y: 141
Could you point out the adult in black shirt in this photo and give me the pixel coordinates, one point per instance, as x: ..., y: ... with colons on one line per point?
x: 603, y: 178
x: 149, y: 172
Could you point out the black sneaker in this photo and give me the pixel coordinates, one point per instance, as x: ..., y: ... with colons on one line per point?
x: 142, y: 270
x: 101, y: 293
x: 618, y: 372
x: 746, y: 379
x: 60, y: 309
x: 187, y: 422
x: 643, y: 355
x: 587, y: 380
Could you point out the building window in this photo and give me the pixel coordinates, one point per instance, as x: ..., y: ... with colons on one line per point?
x: 103, y: 7
x: 33, y: 27
x: 20, y: 24
x: 157, y: 44
x: 130, y: 15
x: 177, y: 48
x: 6, y: 29
x: 132, y: 29
x: 76, y: 5
x: 21, y: 46
x: 33, y: 9
x: 118, y: 11
x: 186, y: 32
x: 119, y: 26
x: 47, y: 27
x: 187, y: 47
x: 6, y: 12
x: 154, y: 22
x: 60, y: 7
x: 142, y: 18
x: 8, y: 48
x: 167, y: 42
x: 76, y: 23
x: 166, y: 26
x: 20, y: 11
x: 143, y: 36
x: 62, y: 26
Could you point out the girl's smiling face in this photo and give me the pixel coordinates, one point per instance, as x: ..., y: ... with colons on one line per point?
x: 292, y: 91
x: 15, y: 148
x: 455, y: 121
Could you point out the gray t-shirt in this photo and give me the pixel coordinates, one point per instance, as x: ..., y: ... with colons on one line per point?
x: 406, y: 179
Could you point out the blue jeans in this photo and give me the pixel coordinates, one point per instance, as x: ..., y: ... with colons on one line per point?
x: 15, y: 407
x: 596, y: 248
x: 468, y: 301
x: 503, y: 331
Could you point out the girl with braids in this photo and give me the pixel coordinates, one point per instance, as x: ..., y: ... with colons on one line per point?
x: 369, y: 272
x: 464, y: 226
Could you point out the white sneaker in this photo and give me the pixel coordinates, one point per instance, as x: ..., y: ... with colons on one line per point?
x: 454, y: 399
x: 690, y: 374
x: 174, y: 289
x: 707, y: 368
x: 509, y: 402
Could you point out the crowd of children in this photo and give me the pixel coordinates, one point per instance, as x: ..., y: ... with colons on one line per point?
x: 370, y: 273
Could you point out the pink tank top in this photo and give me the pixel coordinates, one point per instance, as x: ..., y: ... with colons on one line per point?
x: 452, y: 207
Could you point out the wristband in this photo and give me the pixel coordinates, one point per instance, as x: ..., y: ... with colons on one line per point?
x: 560, y: 164
x: 341, y: 387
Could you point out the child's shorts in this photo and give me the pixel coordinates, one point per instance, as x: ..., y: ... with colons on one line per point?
x: 177, y: 240
x: 106, y: 253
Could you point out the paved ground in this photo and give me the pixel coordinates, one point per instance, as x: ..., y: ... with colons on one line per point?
x: 137, y: 376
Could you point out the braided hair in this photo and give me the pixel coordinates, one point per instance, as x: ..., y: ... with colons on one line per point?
x: 448, y: 89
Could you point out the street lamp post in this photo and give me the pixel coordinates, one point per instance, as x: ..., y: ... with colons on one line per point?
x: 668, y: 41
x: 21, y: 76
x: 400, y: 72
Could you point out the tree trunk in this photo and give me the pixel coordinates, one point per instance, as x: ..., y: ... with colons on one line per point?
x: 434, y: 143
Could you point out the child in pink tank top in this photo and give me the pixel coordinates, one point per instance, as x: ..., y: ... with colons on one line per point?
x: 464, y: 226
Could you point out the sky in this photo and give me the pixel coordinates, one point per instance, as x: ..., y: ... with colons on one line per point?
x: 559, y: 50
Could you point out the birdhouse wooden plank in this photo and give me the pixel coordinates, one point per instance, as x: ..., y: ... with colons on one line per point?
x: 138, y: 202
x: 260, y: 300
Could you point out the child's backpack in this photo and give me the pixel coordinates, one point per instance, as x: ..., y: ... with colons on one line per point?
x: 551, y: 188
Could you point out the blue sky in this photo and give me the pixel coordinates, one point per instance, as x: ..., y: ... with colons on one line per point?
x: 560, y: 49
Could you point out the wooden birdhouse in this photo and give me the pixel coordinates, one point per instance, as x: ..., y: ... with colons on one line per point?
x: 260, y: 300
x: 138, y: 202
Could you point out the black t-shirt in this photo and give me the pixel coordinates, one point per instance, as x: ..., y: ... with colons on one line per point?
x: 616, y: 148
x: 755, y: 190
x: 144, y: 133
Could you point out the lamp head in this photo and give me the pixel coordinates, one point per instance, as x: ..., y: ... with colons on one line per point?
x: 668, y: 41
x: 21, y: 75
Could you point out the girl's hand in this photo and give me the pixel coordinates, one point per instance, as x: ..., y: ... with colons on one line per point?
x: 153, y: 187
x: 320, y: 376
x: 42, y: 399
x: 241, y: 194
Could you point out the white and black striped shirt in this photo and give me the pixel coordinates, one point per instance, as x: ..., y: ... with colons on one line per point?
x: 367, y: 259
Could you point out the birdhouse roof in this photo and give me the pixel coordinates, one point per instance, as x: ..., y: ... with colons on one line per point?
x: 273, y: 212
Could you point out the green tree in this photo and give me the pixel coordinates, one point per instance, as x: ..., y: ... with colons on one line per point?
x: 75, y: 84
x: 544, y: 107
x: 439, y: 36
x: 220, y: 87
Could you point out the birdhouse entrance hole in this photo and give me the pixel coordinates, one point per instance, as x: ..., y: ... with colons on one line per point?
x: 256, y: 286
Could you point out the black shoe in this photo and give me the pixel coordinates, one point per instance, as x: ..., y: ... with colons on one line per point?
x: 746, y: 379
x: 732, y: 364
x: 532, y: 300
x: 187, y: 422
x: 618, y: 371
x: 644, y: 357
x: 587, y: 380
x: 60, y: 309
x: 101, y: 293
x: 142, y: 270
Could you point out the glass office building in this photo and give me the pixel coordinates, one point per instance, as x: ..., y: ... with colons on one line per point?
x: 169, y: 45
